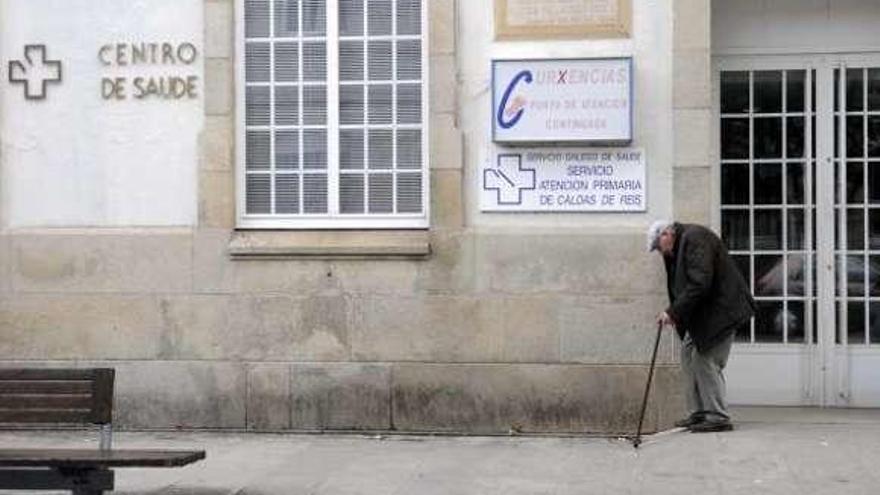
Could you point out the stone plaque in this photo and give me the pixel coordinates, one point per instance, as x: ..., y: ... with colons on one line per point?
x: 541, y: 19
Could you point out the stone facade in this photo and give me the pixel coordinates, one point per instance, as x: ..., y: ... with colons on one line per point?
x: 494, y: 330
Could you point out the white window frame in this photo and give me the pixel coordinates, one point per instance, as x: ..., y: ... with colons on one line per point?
x: 333, y: 219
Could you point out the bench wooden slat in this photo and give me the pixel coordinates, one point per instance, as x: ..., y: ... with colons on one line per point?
x: 53, y: 479
x: 95, y: 406
x: 85, y: 458
x: 45, y: 387
x: 47, y: 374
x: 42, y: 401
x: 27, y: 416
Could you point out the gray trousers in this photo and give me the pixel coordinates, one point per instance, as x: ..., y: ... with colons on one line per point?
x: 705, y: 389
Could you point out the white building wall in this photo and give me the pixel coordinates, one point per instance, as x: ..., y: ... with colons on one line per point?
x: 794, y: 26
x: 78, y: 159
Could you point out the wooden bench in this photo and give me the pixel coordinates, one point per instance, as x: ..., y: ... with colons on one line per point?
x: 75, y: 397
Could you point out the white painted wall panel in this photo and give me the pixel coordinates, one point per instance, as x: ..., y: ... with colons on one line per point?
x: 794, y: 26
x: 77, y: 159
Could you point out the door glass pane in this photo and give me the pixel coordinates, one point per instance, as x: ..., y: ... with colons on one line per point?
x: 854, y: 90
x: 795, y: 181
x: 769, y: 321
x: 874, y: 229
x: 768, y: 183
x: 794, y: 86
x: 796, y: 229
x: 874, y: 322
x: 768, y: 229
x: 855, y: 275
x: 855, y: 322
x: 735, y: 183
x: 797, y: 275
x: 794, y: 136
x: 874, y: 136
x: 735, y: 92
x: 734, y: 138
x: 855, y: 183
x: 855, y: 233
x: 873, y: 89
x: 874, y: 182
x: 768, y: 137
x: 769, y: 275
x: 874, y: 275
x: 855, y: 136
x: 735, y: 229
x: 768, y: 92
x: 796, y: 321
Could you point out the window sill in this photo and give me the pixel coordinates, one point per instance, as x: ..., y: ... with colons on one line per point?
x: 347, y: 244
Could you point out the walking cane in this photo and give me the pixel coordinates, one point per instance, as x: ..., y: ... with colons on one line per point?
x: 638, y: 439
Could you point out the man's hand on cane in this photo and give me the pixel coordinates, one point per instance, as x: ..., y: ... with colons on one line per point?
x: 665, y: 320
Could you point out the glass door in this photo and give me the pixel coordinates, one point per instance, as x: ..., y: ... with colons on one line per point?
x: 799, y: 197
x: 767, y: 218
x: 857, y: 232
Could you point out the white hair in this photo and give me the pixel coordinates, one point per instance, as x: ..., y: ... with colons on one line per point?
x: 652, y: 235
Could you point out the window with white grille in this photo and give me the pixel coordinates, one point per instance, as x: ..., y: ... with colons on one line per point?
x: 332, y: 102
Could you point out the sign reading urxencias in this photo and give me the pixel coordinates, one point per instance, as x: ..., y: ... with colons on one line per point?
x: 565, y: 179
x: 577, y: 101
x: 102, y: 112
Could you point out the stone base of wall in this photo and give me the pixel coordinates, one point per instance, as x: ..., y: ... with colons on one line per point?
x: 404, y: 397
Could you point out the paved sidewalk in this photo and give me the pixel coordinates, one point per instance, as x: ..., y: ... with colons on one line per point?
x: 773, y: 451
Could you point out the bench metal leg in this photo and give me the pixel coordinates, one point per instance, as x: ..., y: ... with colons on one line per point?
x: 106, y: 437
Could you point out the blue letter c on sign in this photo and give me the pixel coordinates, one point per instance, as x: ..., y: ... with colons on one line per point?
x: 507, y: 124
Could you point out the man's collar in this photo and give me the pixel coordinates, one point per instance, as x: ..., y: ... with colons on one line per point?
x: 678, y: 229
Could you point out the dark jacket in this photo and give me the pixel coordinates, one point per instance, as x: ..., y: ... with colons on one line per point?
x: 709, y: 298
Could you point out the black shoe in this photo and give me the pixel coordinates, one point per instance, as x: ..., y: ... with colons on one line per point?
x: 711, y: 426
x: 688, y: 421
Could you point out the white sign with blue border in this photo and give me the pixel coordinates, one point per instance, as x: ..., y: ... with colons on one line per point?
x: 567, y: 179
x: 577, y: 101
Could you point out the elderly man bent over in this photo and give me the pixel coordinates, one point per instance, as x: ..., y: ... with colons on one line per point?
x: 708, y: 301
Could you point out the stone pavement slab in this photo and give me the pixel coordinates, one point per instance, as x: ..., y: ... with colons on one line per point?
x: 779, y: 451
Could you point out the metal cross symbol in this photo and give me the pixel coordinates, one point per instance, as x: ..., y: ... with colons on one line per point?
x: 37, y: 72
x: 509, y: 179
